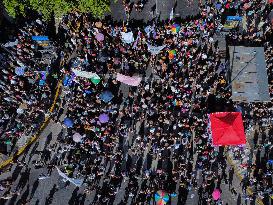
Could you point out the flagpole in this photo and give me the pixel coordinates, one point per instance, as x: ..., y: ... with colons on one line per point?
x: 156, y: 10
x: 156, y: 7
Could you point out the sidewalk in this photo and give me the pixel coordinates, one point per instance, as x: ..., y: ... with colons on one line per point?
x: 239, y: 158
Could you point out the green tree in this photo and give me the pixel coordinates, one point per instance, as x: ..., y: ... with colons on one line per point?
x: 96, y: 7
x: 57, y: 7
x: 14, y: 7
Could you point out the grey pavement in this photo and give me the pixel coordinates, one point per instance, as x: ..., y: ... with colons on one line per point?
x: 164, y: 7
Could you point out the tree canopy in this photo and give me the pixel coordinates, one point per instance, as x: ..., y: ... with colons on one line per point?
x: 57, y: 7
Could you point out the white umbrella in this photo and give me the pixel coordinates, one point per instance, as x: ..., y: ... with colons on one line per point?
x: 77, y: 137
x: 20, y: 111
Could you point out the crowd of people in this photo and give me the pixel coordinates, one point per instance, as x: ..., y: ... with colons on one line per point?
x: 27, y: 88
x: 155, y: 135
x: 155, y: 130
x: 257, y: 166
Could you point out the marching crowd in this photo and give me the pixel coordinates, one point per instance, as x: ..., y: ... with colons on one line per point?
x: 155, y: 135
x: 26, y: 88
x: 155, y: 131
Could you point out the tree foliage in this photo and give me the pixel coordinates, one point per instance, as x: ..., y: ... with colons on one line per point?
x: 13, y: 7
x: 97, y: 7
x: 57, y: 7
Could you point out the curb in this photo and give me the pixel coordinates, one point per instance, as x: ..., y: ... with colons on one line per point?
x: 35, y: 136
x: 56, y: 96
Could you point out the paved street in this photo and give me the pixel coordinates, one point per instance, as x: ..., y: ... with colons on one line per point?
x: 151, y: 11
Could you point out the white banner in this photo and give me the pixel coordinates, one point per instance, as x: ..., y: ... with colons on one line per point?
x: 155, y: 49
x: 84, y: 74
x: 77, y: 182
x: 127, y: 37
x: 11, y: 44
x: 133, y: 81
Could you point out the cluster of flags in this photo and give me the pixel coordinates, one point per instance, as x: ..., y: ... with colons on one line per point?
x: 68, y: 79
x: 20, y: 71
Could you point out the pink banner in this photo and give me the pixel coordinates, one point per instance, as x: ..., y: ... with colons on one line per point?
x: 133, y: 81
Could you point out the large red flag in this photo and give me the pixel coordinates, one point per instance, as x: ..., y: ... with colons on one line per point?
x: 227, y: 128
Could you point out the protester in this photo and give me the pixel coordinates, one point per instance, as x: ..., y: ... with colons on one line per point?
x: 161, y: 107
x: 27, y: 89
x: 158, y: 129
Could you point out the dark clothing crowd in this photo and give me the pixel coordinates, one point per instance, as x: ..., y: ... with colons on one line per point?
x: 156, y: 135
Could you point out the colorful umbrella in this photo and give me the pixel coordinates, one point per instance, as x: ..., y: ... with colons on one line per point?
x: 95, y: 80
x: 103, y: 118
x: 42, y: 83
x: 172, y: 54
x: 20, y: 71
x: 175, y: 28
x: 270, y: 161
x: 77, y: 137
x: 106, y: 96
x: 8, y: 142
x: 161, y: 197
x: 99, y: 36
x: 68, y: 122
x: 216, y: 194
x: 20, y: 111
x: 173, y: 195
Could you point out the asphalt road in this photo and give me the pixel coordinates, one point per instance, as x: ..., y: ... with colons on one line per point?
x: 156, y: 8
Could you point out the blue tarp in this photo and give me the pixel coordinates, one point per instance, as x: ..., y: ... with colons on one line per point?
x: 234, y: 18
x: 40, y: 38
